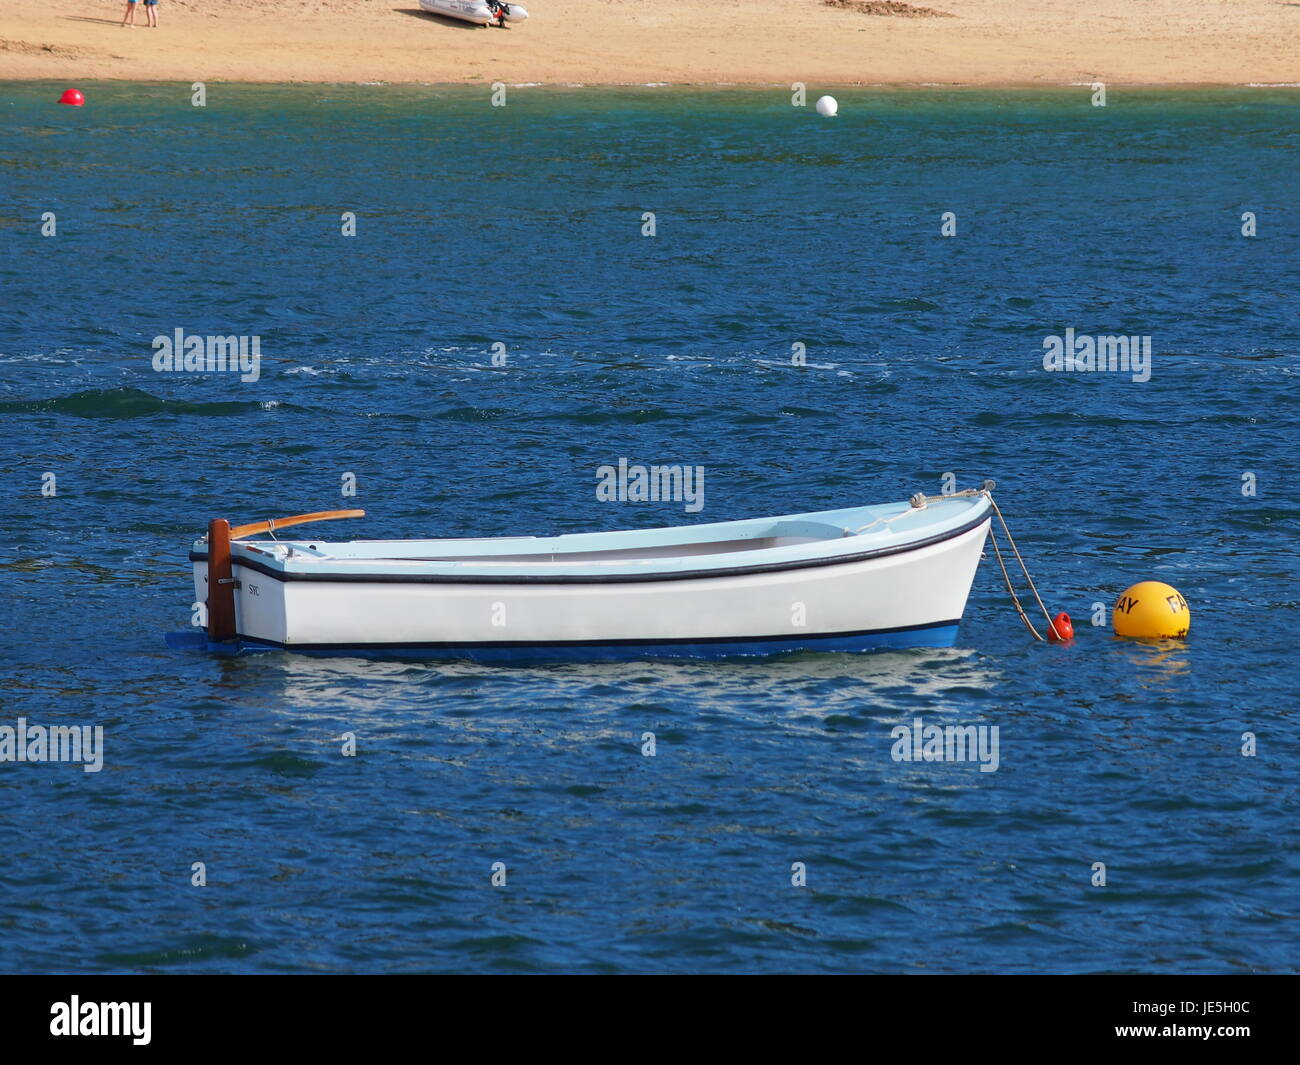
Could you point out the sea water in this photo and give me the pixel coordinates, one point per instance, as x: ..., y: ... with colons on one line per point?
x: 462, y: 312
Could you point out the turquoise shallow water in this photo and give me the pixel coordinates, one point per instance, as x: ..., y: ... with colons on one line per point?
x: 522, y: 225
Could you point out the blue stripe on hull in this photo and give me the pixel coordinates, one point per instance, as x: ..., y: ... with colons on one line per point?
x: 943, y: 634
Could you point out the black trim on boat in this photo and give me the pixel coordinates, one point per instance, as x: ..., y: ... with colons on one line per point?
x: 611, y: 578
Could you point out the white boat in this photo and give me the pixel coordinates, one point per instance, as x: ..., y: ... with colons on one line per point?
x: 894, y: 575
x: 482, y: 12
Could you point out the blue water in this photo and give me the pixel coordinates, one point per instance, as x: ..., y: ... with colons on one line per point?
x: 522, y: 226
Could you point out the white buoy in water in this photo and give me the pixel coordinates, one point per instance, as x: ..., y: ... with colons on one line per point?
x: 827, y: 106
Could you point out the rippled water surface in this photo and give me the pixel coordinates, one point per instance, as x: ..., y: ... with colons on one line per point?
x: 522, y: 225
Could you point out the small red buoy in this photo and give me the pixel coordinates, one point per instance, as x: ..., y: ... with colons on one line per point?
x: 1061, y: 628
x: 73, y: 97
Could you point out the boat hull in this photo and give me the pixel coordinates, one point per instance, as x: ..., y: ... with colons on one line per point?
x: 908, y: 596
x: 475, y: 11
x: 523, y: 654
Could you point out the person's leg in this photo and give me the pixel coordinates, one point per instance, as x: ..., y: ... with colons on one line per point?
x: 128, y: 17
x: 151, y: 9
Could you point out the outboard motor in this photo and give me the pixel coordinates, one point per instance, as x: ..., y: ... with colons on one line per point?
x: 503, y: 12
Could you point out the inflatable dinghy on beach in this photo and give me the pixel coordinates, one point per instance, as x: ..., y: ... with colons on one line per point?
x: 480, y: 12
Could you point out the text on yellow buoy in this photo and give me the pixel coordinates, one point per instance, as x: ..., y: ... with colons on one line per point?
x: 1153, y: 610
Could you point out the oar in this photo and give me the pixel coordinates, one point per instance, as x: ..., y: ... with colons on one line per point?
x: 240, y: 532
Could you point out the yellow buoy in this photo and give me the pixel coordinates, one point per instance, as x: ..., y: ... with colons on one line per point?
x: 1152, y: 609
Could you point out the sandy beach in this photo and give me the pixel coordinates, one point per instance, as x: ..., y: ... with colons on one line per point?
x: 975, y: 42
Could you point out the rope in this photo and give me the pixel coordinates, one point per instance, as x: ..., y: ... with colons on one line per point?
x: 1019, y: 610
x: 1051, y: 627
x: 882, y: 521
x: 920, y: 502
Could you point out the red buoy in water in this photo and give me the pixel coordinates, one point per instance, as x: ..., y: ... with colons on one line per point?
x: 1061, y: 629
x: 74, y: 97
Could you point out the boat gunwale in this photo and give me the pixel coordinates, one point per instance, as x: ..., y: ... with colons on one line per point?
x: 285, y: 575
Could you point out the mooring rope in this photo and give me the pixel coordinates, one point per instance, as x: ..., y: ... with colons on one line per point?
x: 920, y: 502
x: 993, y: 538
x: 881, y: 521
x: 1051, y: 627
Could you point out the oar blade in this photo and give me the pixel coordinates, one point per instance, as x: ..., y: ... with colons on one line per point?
x: 241, y: 532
